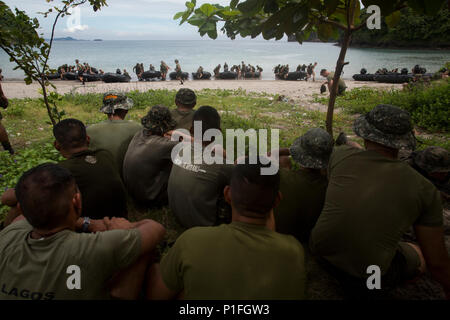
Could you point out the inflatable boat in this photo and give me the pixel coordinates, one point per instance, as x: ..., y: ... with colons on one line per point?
x: 70, y: 76
x: 364, y: 77
x: 205, y: 76
x: 184, y: 75
x: 148, y: 75
x: 293, y: 76
x: 228, y: 75
x: 255, y: 75
x: 92, y: 77
x: 115, y: 77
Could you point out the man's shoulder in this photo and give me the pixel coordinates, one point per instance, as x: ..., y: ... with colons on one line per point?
x: 14, y: 229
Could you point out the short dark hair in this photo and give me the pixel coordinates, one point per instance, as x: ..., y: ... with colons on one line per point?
x: 44, y: 194
x: 251, y: 191
x: 323, y: 70
x: 122, y: 113
x: 70, y: 133
x: 209, y: 117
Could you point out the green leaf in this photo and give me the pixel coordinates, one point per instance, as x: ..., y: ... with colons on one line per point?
x: 207, y: 9
x: 178, y: 15
x: 250, y: 7
x: 271, y: 6
x: 212, y: 34
x: 233, y: 4
x: 428, y: 7
x: 393, y: 19
x: 325, y: 31
x: 331, y: 6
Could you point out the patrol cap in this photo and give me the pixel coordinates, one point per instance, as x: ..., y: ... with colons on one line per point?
x: 186, y: 97
x: 115, y: 100
x: 387, y: 125
x: 313, y: 149
x: 433, y: 159
x: 158, y: 120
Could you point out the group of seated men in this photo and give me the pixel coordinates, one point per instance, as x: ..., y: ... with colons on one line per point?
x: 67, y: 235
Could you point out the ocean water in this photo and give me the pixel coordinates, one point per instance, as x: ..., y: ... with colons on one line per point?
x: 110, y: 55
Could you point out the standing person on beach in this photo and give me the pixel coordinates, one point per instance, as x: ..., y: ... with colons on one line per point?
x: 217, y: 72
x: 372, y: 200
x: 4, y: 140
x: 178, y: 71
x: 330, y: 76
x: 164, y: 68
x: 313, y: 72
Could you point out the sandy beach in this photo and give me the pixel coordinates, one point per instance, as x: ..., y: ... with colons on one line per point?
x: 299, y: 91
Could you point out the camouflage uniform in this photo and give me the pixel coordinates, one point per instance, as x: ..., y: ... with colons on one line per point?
x: 387, y: 125
x: 313, y: 149
x: 113, y: 101
x: 186, y: 97
x: 158, y: 120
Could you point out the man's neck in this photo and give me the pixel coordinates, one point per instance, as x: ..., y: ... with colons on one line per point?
x: 115, y: 117
x: 183, y: 109
x: 69, y: 153
x: 390, y: 154
x: 236, y: 217
x: 39, y: 234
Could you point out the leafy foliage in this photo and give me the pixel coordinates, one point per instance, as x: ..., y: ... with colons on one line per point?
x: 411, y: 30
x: 428, y: 104
x: 20, y: 40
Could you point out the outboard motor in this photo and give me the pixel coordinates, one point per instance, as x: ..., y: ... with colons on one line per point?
x: 363, y: 71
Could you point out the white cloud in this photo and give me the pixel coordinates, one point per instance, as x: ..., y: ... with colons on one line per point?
x: 77, y: 28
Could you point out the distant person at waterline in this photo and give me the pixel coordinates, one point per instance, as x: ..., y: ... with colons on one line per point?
x: 115, y: 133
x: 330, y: 76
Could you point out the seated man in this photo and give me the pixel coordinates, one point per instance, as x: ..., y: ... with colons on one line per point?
x: 114, y: 134
x: 43, y: 258
x: 304, y: 190
x: 372, y: 200
x: 241, y: 260
x: 148, y: 161
x: 4, y: 140
x: 434, y: 164
x: 185, y: 101
x: 195, y: 190
x: 330, y: 76
x: 95, y: 172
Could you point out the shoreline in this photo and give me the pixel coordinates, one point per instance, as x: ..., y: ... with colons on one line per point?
x: 300, y: 92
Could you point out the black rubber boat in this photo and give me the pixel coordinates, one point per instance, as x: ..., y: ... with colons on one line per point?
x: 115, y: 77
x: 184, y: 75
x: 249, y: 75
x: 205, y: 76
x: 149, y: 75
x: 228, y: 75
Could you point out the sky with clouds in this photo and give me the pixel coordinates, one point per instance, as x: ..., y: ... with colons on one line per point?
x: 121, y: 20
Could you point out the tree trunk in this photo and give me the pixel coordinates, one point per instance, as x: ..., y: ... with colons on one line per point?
x: 49, y: 110
x: 337, y: 75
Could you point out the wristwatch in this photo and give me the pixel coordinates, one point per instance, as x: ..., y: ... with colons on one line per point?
x: 86, y: 224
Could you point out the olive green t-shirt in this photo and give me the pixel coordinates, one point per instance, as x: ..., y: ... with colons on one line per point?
x: 235, y: 261
x: 303, y: 198
x: 113, y: 136
x: 102, y: 190
x: 341, y: 85
x: 371, y: 202
x: 183, y: 118
x: 146, y: 167
x: 195, y: 189
x: 33, y: 269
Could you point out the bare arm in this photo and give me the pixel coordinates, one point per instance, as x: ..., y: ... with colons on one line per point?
x: 9, y: 198
x: 431, y: 241
x: 156, y: 288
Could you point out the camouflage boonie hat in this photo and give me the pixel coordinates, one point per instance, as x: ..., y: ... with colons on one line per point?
x: 158, y: 120
x: 186, y: 97
x: 433, y: 159
x: 387, y: 125
x: 313, y: 149
x: 115, y: 100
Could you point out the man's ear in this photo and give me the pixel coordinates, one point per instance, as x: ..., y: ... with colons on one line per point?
x: 227, y: 194
x: 57, y: 145
x: 278, y: 199
x: 77, y: 203
x: 88, y: 140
